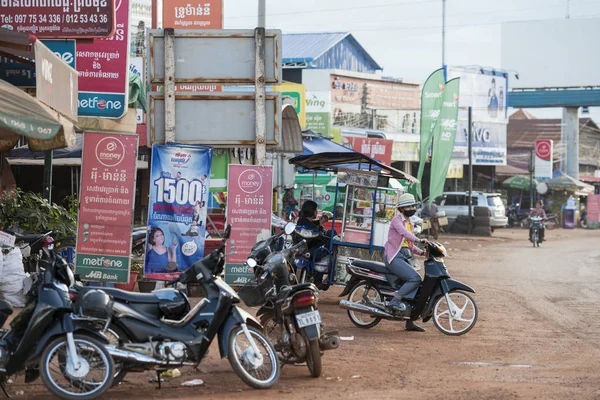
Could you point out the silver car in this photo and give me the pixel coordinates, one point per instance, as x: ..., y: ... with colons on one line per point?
x: 455, y: 204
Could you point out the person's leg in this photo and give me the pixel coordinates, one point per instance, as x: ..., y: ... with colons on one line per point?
x: 407, y: 273
x: 530, y: 232
x: 542, y: 233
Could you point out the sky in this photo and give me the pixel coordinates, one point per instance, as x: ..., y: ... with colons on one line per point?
x: 405, y: 36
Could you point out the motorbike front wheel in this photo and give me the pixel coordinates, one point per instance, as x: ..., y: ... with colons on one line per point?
x: 88, y: 380
x: 357, y: 295
x: 313, y: 357
x: 455, y: 313
x: 260, y: 371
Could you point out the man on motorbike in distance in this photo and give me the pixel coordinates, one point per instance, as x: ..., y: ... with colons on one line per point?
x: 398, y: 249
x: 538, y: 211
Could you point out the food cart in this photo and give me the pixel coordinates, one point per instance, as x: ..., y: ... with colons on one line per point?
x: 368, y: 206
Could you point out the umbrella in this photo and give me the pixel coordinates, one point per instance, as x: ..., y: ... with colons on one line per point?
x: 562, y: 181
x: 519, y: 182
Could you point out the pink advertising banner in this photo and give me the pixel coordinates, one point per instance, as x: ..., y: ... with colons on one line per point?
x: 108, y: 174
x: 593, y: 208
x: 249, y: 208
x: 104, y: 70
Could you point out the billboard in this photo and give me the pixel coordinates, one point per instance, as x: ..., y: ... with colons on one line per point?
x: 378, y: 149
x: 543, y: 159
x: 489, y: 143
x: 558, y: 54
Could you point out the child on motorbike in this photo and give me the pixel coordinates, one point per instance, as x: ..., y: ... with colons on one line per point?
x: 538, y: 211
x: 399, y: 249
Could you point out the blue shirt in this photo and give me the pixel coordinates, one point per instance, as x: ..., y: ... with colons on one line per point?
x: 156, y: 262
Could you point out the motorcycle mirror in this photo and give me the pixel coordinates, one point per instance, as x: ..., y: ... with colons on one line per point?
x: 290, y: 227
x: 517, y: 205
x: 227, y: 232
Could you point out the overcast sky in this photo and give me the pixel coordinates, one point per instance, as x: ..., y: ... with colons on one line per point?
x: 404, y: 36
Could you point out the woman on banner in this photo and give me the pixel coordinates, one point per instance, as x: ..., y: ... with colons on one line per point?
x: 160, y: 258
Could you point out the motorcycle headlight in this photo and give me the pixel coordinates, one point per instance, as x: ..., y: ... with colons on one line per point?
x: 251, y: 263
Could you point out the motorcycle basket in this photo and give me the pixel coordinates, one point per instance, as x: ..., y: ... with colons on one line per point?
x: 254, y: 293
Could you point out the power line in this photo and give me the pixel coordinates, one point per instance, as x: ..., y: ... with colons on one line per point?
x: 342, y: 9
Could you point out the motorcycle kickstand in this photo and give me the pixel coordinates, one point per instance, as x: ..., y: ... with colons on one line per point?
x: 3, y: 386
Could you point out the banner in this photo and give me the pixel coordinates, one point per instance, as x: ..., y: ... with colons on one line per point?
x: 218, y: 170
x: 378, y: 149
x: 179, y: 190
x: 443, y: 139
x: 543, y: 159
x: 296, y: 93
x: 249, y: 204
x: 108, y: 172
x: 489, y: 143
x: 593, y: 210
x: 431, y: 102
x: 318, y: 112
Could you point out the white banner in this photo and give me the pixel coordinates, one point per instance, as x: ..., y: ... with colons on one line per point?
x: 543, y: 159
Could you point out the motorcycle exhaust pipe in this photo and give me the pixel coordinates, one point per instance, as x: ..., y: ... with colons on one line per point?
x: 329, y: 343
x: 134, y: 357
x: 348, y: 305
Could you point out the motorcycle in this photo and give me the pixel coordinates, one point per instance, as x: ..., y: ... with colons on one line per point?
x: 536, y: 226
x: 160, y: 331
x: 372, y: 286
x: 289, y: 311
x: 31, y: 246
x: 551, y: 221
x: 46, y: 339
x: 138, y: 242
x: 583, y: 219
x: 514, y: 218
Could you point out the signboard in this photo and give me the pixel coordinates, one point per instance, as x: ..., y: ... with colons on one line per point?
x: 56, y: 82
x: 108, y: 173
x: 543, y: 159
x: 60, y: 19
x: 486, y: 93
x: 318, y: 112
x: 22, y: 75
x: 357, y: 177
x: 180, y: 14
x: 455, y: 169
x: 489, y: 143
x: 593, y: 208
x: 405, y: 151
x: 237, y: 68
x: 215, y: 118
x: 378, y: 149
x: 294, y: 94
x: 249, y: 205
x: 179, y: 183
x: 103, y: 71
x: 388, y: 95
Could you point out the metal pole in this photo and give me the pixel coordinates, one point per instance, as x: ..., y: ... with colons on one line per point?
x: 259, y: 99
x: 443, y: 33
x: 48, y: 175
x: 470, y: 142
x: 568, y: 9
x: 262, y: 10
x: 531, y: 202
x: 169, y: 85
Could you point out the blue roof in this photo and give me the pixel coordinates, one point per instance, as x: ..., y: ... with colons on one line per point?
x: 308, y: 47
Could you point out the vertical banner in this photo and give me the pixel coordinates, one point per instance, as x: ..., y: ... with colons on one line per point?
x: 179, y: 190
x: 443, y: 139
x: 593, y: 210
x: 318, y: 112
x: 249, y: 202
x: 108, y: 172
x: 431, y: 102
x: 543, y: 159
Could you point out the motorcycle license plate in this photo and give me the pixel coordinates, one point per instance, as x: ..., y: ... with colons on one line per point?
x: 309, y: 318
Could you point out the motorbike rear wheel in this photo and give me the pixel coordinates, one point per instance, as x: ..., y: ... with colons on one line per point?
x: 363, y: 320
x: 313, y: 357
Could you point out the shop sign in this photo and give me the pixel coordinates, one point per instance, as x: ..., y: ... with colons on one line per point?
x: 593, y: 208
x: 318, y: 112
x: 104, y: 71
x: 357, y: 177
x: 295, y: 94
x: 60, y: 19
x: 455, y: 169
x: 179, y: 190
x: 405, y: 151
x: 380, y: 94
x: 377, y: 149
x: 249, y: 208
x: 108, y: 173
x: 543, y: 159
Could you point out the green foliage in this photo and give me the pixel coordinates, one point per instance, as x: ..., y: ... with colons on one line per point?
x: 27, y: 212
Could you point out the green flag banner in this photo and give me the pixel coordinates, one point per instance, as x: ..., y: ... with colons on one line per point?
x: 431, y: 102
x: 443, y: 139
x: 218, y: 170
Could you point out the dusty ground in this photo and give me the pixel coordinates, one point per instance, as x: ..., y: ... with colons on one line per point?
x: 538, y: 336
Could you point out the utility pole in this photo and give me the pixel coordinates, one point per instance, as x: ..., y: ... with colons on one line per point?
x: 470, y: 149
x: 444, y: 32
x: 259, y: 83
x: 531, y: 200
x: 568, y: 16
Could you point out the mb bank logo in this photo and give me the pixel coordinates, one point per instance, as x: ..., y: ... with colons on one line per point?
x: 107, y: 105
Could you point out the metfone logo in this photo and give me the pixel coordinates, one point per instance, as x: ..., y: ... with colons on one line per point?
x: 102, y: 261
x: 110, y: 151
x: 250, y: 181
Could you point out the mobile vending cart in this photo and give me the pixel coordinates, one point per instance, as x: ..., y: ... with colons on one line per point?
x: 368, y: 206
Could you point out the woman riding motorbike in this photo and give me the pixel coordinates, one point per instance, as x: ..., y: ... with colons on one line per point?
x: 399, y: 249
x: 538, y: 211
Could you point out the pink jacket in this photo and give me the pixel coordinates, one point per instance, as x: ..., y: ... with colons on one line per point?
x: 396, y: 236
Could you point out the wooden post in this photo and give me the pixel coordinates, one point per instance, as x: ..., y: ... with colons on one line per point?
x: 169, y: 85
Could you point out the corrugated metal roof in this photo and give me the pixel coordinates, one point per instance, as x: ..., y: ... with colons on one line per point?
x: 306, y: 47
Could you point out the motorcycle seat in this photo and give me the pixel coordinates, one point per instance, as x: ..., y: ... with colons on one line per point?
x: 372, y: 265
x: 287, y: 290
x: 29, y: 239
x: 128, y: 297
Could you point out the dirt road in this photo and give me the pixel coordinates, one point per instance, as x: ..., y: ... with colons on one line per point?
x: 538, y: 336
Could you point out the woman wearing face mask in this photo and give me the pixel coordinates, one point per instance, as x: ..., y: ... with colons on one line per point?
x: 398, y: 250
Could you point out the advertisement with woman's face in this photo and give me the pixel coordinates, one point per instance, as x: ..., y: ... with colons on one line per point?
x: 179, y: 190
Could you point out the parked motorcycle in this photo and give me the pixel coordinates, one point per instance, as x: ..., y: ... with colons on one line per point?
x: 47, y: 339
x: 160, y: 331
x: 583, y: 219
x: 372, y: 286
x: 31, y: 248
x: 138, y: 242
x: 289, y: 311
x: 514, y: 218
x: 536, y: 227
x: 551, y: 222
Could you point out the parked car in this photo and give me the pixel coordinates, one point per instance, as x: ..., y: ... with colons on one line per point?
x: 455, y: 204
